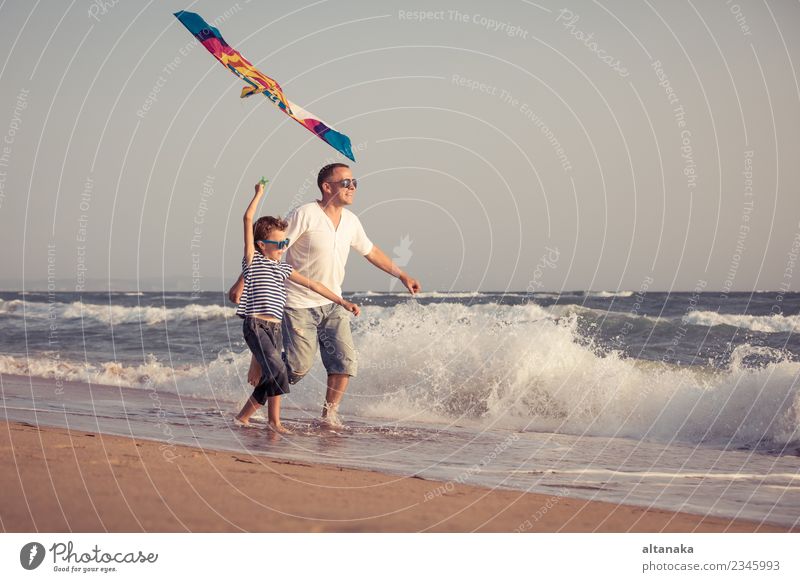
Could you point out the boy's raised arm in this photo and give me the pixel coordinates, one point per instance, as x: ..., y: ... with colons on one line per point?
x: 249, y: 246
x: 318, y: 287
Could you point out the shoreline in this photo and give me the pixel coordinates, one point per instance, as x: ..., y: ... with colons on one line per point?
x: 61, y: 480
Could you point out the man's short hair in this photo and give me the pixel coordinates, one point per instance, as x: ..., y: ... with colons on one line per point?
x: 326, y: 172
x: 266, y: 224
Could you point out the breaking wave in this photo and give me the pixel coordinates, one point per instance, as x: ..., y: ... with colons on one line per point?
x: 511, y: 367
x: 767, y: 323
x: 112, y: 314
x: 610, y: 294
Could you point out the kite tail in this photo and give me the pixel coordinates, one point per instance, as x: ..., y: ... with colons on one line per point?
x: 338, y: 141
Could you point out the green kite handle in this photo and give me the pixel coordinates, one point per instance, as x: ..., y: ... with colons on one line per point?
x: 263, y: 181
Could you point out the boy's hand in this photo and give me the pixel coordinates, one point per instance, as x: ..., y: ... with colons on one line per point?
x: 259, y: 188
x: 254, y: 373
x: 351, y: 307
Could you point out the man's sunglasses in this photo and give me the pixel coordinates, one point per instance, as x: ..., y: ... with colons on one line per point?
x: 346, y: 182
x: 281, y: 244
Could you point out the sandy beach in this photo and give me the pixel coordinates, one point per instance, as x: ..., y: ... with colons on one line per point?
x: 58, y: 480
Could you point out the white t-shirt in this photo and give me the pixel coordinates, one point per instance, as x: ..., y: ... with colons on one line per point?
x: 319, y: 251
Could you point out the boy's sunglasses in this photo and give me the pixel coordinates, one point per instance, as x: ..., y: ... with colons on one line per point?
x: 281, y: 244
x: 346, y: 182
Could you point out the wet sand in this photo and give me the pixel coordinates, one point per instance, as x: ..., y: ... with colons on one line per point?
x: 59, y: 480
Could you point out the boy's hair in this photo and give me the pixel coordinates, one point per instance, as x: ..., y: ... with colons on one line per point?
x: 326, y: 172
x: 266, y: 224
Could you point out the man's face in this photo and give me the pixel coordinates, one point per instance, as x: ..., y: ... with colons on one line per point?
x: 345, y: 194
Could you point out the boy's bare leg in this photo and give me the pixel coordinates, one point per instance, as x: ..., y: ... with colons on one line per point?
x: 248, y: 410
x: 274, y: 414
x: 254, y: 373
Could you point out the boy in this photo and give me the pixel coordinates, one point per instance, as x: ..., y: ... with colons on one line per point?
x: 261, y: 307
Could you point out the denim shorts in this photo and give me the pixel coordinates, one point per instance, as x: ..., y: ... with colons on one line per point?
x: 264, y: 340
x: 326, y: 326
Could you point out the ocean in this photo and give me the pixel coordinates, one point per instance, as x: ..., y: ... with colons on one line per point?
x: 683, y: 401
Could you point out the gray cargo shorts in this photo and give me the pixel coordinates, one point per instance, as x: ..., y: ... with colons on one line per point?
x: 327, y: 326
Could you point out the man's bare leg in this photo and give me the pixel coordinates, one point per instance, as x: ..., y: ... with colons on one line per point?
x: 337, y: 386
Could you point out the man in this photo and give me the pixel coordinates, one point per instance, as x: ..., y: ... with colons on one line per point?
x: 321, y: 234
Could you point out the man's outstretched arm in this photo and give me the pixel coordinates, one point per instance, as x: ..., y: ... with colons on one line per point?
x: 378, y: 258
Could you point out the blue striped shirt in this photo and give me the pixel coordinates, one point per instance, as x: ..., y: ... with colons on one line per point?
x: 264, y: 287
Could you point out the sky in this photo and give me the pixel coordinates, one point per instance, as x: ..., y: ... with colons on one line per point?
x: 510, y: 146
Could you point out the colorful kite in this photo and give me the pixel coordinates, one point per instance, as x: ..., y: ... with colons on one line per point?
x: 210, y: 38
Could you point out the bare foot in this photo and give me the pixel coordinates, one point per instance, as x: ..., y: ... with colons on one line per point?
x: 278, y: 427
x: 330, y: 416
x: 239, y: 422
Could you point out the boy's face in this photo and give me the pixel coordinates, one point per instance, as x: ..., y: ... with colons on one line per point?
x: 270, y: 250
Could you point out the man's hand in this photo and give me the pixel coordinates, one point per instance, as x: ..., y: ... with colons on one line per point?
x: 351, y: 307
x: 411, y: 284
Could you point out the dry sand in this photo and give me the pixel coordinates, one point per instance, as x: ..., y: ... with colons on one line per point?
x: 56, y: 480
